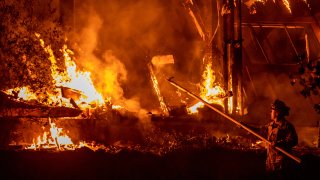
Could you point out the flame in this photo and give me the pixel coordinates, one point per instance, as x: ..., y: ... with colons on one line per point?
x: 23, y: 93
x: 58, y: 140
x: 117, y: 107
x: 55, y: 138
x: 157, y: 90
x: 287, y: 4
x: 210, y: 91
x: 70, y: 78
x: 79, y: 80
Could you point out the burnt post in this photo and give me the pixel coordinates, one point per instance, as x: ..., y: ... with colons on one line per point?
x: 237, y: 66
x: 231, y: 12
x: 227, y: 12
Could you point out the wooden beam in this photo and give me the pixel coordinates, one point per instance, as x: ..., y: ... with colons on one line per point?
x: 295, y: 21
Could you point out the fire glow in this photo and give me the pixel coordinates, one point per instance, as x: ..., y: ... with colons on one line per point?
x: 157, y: 90
x: 210, y: 91
x: 23, y: 93
x: 70, y: 78
x: 55, y: 138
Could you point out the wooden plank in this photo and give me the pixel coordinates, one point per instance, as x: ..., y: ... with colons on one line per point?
x: 12, y: 108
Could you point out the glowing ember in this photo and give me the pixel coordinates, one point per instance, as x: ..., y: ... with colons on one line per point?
x: 157, y: 90
x: 210, y: 91
x: 287, y: 4
x: 116, y: 107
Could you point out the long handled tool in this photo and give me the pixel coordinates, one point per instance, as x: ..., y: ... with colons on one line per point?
x: 233, y: 120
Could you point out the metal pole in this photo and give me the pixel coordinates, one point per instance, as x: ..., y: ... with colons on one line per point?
x: 233, y: 120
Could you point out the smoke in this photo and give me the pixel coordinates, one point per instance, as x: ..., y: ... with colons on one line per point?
x: 117, y: 39
x: 277, y: 86
x: 269, y: 87
x: 107, y: 70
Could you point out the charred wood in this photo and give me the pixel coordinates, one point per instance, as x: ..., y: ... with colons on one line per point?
x: 10, y: 107
x: 40, y: 112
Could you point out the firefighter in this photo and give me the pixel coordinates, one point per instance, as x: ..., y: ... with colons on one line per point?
x: 280, y: 133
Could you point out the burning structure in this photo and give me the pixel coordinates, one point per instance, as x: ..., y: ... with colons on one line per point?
x: 93, y: 75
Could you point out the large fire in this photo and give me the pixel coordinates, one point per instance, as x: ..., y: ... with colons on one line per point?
x: 210, y: 91
x: 69, y: 78
x: 72, y: 78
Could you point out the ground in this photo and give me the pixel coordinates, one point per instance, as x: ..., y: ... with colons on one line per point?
x: 213, y: 163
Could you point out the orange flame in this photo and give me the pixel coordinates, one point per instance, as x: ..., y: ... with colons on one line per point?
x: 210, y: 91
x: 287, y: 4
x: 73, y: 79
x: 79, y: 80
x: 70, y: 78
x: 56, y: 138
x: 23, y: 93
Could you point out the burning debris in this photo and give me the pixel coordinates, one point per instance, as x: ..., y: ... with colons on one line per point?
x: 64, y: 81
x: 74, y: 95
x: 157, y: 90
x: 56, y: 138
x: 210, y: 90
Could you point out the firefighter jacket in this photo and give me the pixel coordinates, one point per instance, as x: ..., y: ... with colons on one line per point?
x: 283, y: 135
